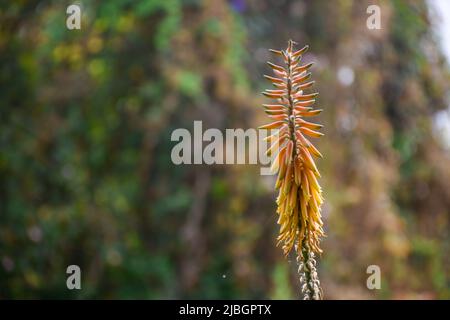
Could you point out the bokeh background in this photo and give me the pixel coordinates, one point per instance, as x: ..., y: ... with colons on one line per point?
x: 85, y: 170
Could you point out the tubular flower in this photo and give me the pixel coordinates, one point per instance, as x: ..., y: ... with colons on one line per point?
x: 300, y: 196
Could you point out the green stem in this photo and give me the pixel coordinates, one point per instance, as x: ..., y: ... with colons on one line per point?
x: 309, y: 280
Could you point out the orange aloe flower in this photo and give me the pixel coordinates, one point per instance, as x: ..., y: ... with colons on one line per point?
x: 300, y: 196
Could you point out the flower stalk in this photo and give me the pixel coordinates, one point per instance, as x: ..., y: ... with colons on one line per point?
x: 300, y: 196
